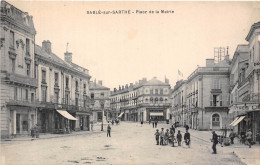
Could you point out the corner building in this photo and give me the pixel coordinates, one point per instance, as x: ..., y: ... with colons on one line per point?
x: 144, y: 101
x: 18, y: 82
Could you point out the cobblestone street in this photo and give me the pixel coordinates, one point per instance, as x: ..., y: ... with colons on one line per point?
x: 130, y: 144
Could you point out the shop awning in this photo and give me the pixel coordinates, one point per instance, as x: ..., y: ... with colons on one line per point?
x: 234, y: 121
x: 121, y: 114
x: 156, y: 113
x: 65, y: 114
x: 238, y: 120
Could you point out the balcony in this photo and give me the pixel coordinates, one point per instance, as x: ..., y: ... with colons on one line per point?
x: 19, y: 79
x: 24, y: 103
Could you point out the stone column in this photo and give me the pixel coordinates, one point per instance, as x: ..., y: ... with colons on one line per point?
x: 14, y: 122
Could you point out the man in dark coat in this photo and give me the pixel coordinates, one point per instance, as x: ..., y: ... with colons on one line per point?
x: 214, y: 141
x: 108, y: 130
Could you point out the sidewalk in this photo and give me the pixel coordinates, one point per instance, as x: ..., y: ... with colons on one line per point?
x: 50, y: 135
x: 249, y: 156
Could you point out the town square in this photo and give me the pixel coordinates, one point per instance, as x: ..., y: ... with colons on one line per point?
x: 130, y: 82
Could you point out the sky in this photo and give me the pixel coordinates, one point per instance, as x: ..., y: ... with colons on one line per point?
x: 123, y: 48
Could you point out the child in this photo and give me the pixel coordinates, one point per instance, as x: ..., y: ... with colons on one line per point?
x: 179, y: 138
x: 166, y: 137
x: 157, y: 135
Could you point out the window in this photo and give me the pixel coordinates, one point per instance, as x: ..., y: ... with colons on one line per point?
x: 44, y: 76
x: 28, y: 69
x: 56, y: 78
x: 216, y: 84
x: 161, y: 91
x: 92, y: 96
x: 67, y: 82
x: 35, y: 71
x: 77, y: 101
x: 32, y: 97
x: 102, y: 105
x: 85, y: 102
x: 102, y: 95
x: 44, y: 93
x: 215, y: 100
x: 156, y: 91
x: 215, y: 120
x: 15, y: 93
x: 21, y: 94
x: 151, y: 91
x: 11, y: 39
x: 13, y: 65
x: 26, y: 94
x: 56, y: 97
x: 67, y: 98
x: 27, y: 46
x: 84, y: 88
x: 156, y: 100
x: 77, y: 86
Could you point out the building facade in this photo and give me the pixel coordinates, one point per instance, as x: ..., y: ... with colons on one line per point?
x: 63, y: 92
x: 245, y: 101
x: 207, y: 95
x: 100, y: 103
x: 144, y: 101
x: 178, y: 98
x: 18, y: 83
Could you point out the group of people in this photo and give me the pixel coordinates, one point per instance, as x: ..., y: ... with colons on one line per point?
x: 115, y: 121
x: 168, y: 137
x: 217, y: 139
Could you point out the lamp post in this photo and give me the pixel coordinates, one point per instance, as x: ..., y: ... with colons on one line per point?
x: 102, y: 108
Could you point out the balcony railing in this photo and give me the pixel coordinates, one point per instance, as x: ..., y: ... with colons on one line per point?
x: 20, y: 79
x: 24, y: 103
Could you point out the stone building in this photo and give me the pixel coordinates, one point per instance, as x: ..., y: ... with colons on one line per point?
x: 63, y: 90
x: 18, y: 81
x: 143, y: 101
x: 178, y: 98
x: 100, y: 106
x: 246, y: 111
x: 207, y: 96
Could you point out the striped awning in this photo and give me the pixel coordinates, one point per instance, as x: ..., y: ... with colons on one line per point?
x: 65, y: 114
x: 238, y: 120
x: 121, y: 114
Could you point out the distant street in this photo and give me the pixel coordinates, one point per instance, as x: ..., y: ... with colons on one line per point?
x: 130, y: 144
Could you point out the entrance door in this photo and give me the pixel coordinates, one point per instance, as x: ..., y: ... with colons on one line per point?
x: 87, y: 123
x: 18, y: 125
x: 81, y: 123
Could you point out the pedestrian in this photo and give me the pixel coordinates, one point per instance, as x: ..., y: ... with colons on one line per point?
x: 187, y: 127
x: 92, y: 126
x: 142, y: 123
x: 108, y: 130
x: 161, y: 136
x: 157, y: 135
x: 149, y: 121
x: 214, y: 140
x: 249, y: 137
x: 232, y: 136
x: 172, y: 138
x: 166, y: 137
x: 173, y: 129
x: 153, y: 124
x: 179, y: 138
x: 257, y: 137
x: 187, y: 137
x: 113, y: 122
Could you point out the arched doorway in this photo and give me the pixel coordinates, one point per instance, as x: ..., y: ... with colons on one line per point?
x: 216, y: 121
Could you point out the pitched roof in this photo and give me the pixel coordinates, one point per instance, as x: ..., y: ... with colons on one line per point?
x: 252, y: 29
x: 155, y: 82
x: 96, y: 86
x: 51, y: 57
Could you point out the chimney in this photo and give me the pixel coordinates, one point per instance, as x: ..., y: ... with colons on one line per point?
x: 100, y: 82
x: 123, y: 87
x: 210, y: 62
x: 68, y: 57
x: 126, y: 86
x: 114, y: 89
x: 131, y: 84
x: 46, y: 45
x: 119, y: 87
x: 144, y: 79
